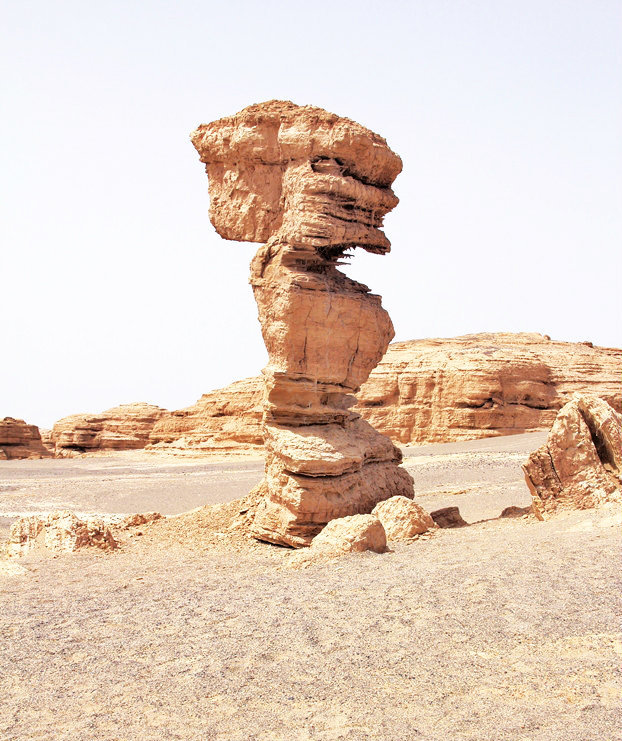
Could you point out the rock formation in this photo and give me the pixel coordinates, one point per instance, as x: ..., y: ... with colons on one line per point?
x: 59, y: 532
x: 422, y: 391
x: 126, y: 427
x: 580, y: 464
x: 20, y: 440
x: 312, y: 186
x: 221, y: 421
x: 483, y: 385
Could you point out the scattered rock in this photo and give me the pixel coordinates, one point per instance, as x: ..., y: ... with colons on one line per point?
x: 60, y: 532
x: 579, y: 466
x: 20, y: 440
x: 448, y: 517
x: 402, y: 518
x: 140, y: 519
x: 312, y: 185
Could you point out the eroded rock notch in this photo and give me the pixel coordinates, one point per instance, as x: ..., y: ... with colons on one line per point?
x: 312, y: 186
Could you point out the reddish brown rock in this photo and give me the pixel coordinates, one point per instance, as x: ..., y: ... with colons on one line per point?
x: 20, y: 440
x: 448, y: 517
x: 579, y: 465
x: 126, y: 427
x: 59, y: 532
x: 313, y: 186
x: 224, y: 420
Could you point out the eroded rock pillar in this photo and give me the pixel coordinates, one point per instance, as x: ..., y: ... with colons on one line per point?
x: 312, y: 186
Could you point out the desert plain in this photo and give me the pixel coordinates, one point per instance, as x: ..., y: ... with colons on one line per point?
x: 507, y: 628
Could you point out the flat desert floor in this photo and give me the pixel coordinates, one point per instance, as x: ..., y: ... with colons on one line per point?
x: 505, y: 629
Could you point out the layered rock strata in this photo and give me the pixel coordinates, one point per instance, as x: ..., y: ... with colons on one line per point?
x: 126, y: 427
x: 224, y: 420
x: 483, y: 385
x: 20, y: 440
x: 580, y: 464
x: 312, y: 186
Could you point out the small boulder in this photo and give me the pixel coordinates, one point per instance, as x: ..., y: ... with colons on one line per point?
x: 351, y: 534
x: 448, y: 517
x: 142, y: 518
x: 60, y: 532
x: 402, y: 518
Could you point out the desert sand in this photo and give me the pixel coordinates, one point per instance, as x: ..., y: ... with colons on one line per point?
x: 505, y: 629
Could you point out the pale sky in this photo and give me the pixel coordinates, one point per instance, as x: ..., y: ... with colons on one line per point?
x: 114, y: 286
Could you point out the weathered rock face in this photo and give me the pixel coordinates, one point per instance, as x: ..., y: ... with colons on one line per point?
x: 59, y: 532
x: 426, y: 391
x: 312, y: 186
x: 126, y: 427
x: 20, y: 440
x: 352, y: 534
x: 580, y: 464
x: 221, y: 421
x: 482, y: 385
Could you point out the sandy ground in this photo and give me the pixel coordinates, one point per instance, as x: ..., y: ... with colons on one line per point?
x: 506, y: 629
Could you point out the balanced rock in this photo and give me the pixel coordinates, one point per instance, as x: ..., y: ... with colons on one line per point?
x: 402, y: 518
x: 126, y: 427
x: 312, y: 186
x: 59, y: 532
x: 579, y: 466
x: 20, y: 440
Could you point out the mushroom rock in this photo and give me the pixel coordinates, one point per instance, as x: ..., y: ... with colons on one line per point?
x: 311, y: 186
x: 579, y: 466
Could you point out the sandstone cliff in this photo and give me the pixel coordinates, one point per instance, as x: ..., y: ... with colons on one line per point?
x: 481, y: 385
x: 126, y: 427
x: 423, y: 391
x: 20, y: 440
x: 222, y: 420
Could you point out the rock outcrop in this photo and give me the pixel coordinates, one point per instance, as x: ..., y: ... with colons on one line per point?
x: 312, y: 186
x: 482, y: 385
x: 580, y: 464
x: 224, y: 420
x: 58, y: 532
x: 126, y: 427
x: 20, y: 440
x: 402, y: 518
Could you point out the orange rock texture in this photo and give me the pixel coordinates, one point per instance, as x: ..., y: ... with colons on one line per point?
x: 20, y: 440
x: 481, y: 385
x: 424, y: 391
x: 312, y: 186
x: 580, y: 464
x: 221, y: 421
x: 126, y: 427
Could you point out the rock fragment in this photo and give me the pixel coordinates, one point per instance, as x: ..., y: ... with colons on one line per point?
x: 59, y: 532
x: 579, y: 465
x: 448, y: 517
x: 402, y: 518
